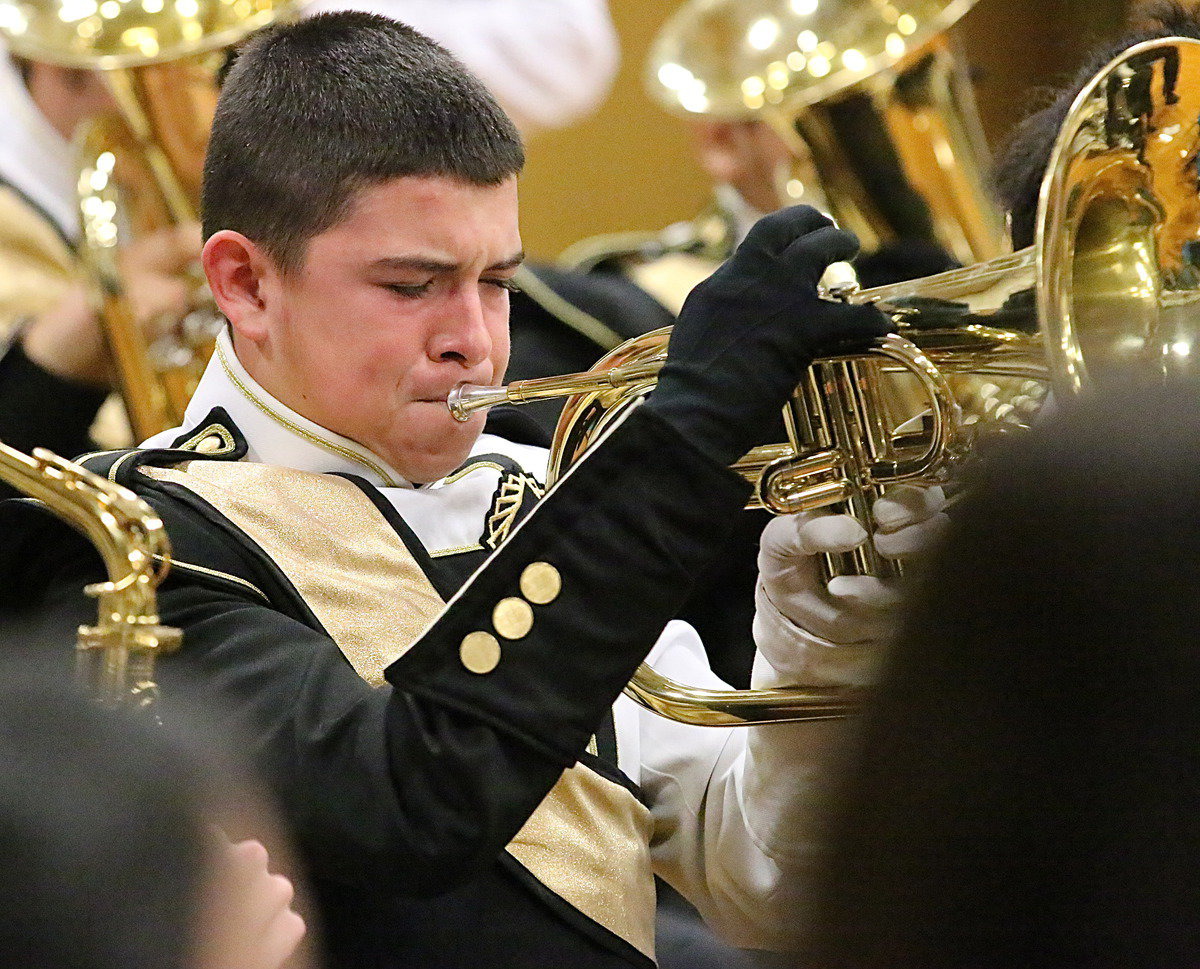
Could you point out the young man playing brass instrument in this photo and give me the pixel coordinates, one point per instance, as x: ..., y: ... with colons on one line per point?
x: 56, y: 367
x: 424, y: 655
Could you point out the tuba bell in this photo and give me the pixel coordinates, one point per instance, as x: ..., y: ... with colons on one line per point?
x: 1109, y: 294
x: 871, y: 97
x: 140, y: 167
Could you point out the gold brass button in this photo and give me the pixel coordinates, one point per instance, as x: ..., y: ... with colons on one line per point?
x: 479, y: 652
x: 210, y: 444
x: 512, y: 617
x: 541, y: 583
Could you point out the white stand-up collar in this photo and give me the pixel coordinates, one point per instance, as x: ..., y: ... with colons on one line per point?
x: 34, y: 158
x: 275, y: 433
x: 448, y: 515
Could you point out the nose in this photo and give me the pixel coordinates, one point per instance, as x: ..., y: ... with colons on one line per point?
x: 463, y: 337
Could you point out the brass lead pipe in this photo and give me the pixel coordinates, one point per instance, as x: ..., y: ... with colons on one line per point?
x: 465, y: 399
x: 788, y: 477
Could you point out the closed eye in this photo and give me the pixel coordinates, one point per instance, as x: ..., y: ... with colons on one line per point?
x: 411, y: 290
x: 507, y: 284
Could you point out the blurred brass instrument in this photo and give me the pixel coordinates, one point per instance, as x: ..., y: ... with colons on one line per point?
x: 1109, y: 294
x: 140, y: 168
x: 870, y: 96
x: 114, y: 658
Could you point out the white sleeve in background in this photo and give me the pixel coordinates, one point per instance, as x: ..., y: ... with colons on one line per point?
x: 548, y: 62
x: 733, y: 807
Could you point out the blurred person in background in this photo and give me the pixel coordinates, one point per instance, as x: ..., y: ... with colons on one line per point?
x: 55, y: 370
x: 115, y: 843
x: 548, y: 61
x: 748, y: 164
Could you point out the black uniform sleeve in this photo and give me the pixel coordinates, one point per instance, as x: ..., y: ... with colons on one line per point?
x: 627, y: 530
x: 41, y: 409
x: 379, y: 787
x: 417, y: 786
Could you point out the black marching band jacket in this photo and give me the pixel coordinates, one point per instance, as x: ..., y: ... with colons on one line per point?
x: 427, y: 678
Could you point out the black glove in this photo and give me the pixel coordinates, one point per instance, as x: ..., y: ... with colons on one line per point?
x: 747, y: 334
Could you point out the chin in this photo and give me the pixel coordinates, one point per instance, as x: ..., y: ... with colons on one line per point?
x: 436, y: 459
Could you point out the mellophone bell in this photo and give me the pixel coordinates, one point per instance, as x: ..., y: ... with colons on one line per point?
x: 1108, y: 294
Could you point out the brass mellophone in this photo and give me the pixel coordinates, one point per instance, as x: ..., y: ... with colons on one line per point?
x: 786, y: 479
x: 1110, y: 292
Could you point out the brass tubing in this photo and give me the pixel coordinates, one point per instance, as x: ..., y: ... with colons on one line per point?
x: 737, y: 708
x: 115, y: 657
x: 465, y: 399
x: 123, y: 85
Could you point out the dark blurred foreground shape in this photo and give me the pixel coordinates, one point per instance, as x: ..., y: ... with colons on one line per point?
x: 1026, y: 789
x: 116, y: 838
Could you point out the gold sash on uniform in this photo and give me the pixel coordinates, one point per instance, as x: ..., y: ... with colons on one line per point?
x: 588, y: 841
x: 39, y: 266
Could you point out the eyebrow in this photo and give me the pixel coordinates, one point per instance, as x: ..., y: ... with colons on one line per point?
x: 425, y: 264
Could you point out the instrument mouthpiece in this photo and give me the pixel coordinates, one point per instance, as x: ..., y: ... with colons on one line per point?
x: 465, y: 399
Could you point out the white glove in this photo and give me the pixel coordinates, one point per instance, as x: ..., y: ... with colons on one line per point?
x: 812, y: 633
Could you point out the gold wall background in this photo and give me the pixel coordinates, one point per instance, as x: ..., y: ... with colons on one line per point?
x: 629, y: 166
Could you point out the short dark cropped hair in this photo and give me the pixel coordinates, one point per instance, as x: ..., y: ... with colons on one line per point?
x: 313, y: 112
x: 1023, y: 162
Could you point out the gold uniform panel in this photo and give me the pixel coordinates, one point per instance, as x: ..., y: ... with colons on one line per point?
x: 368, y: 591
x: 608, y: 831
x: 36, y: 266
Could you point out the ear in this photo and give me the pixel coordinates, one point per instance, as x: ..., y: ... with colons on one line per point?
x: 244, y: 282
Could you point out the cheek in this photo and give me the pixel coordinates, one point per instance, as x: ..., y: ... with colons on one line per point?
x: 336, y: 365
x: 501, y: 342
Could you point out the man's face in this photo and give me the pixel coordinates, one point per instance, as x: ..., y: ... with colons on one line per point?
x: 747, y: 155
x: 67, y: 96
x: 402, y: 300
